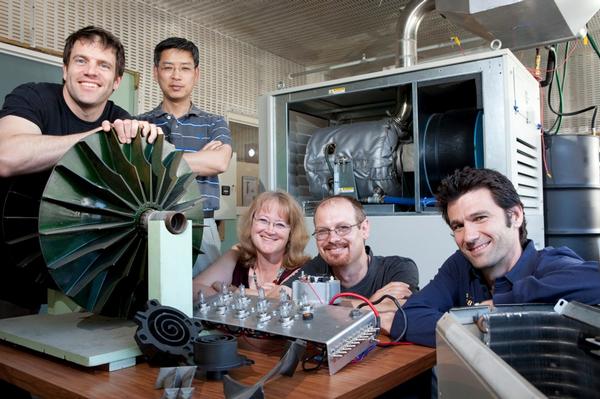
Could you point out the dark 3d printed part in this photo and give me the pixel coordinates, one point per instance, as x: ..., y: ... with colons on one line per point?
x: 216, y: 354
x: 166, y: 335
x: 286, y: 366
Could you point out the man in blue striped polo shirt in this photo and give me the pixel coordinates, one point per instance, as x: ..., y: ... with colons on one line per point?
x: 205, y: 137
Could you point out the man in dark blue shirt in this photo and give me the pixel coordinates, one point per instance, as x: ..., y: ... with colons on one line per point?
x: 495, y: 263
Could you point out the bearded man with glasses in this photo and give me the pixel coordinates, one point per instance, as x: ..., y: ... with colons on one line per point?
x: 341, y: 230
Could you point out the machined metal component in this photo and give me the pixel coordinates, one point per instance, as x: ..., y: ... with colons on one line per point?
x: 167, y: 336
x: 286, y: 313
x: 314, y: 290
x: 305, y: 307
x: 221, y: 304
x: 225, y: 292
x: 262, y: 307
x: 201, y: 305
x: 175, y: 377
x: 175, y: 222
x: 350, y: 346
x: 579, y: 311
x: 242, y: 298
x: 240, y: 307
x: 344, y: 337
x: 263, y: 317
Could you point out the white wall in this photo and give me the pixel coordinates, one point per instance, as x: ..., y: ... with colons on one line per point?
x: 233, y: 73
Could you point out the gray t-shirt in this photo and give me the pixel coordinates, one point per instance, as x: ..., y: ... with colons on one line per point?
x: 382, y: 270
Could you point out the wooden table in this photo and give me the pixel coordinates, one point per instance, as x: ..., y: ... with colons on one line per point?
x: 378, y: 372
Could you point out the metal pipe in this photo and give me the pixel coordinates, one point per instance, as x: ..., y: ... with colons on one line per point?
x: 404, y: 109
x: 363, y: 60
x: 379, y: 58
x: 406, y: 31
x: 175, y: 222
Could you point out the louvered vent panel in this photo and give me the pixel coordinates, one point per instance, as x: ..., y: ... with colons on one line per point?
x: 528, y: 185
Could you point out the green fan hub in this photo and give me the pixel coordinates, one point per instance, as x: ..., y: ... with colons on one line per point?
x: 93, y: 217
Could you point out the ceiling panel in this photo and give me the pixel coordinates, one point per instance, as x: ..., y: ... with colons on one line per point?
x: 312, y: 32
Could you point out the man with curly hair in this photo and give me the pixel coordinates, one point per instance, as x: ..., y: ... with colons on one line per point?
x: 495, y: 262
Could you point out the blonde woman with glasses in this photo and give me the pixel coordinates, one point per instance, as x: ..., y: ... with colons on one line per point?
x: 272, y: 237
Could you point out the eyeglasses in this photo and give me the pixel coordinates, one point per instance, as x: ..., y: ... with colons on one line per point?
x: 266, y: 223
x: 170, y: 68
x: 341, y: 230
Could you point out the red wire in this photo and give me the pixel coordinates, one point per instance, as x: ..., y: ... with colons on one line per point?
x: 383, y: 344
x: 315, y: 291
x: 362, y: 298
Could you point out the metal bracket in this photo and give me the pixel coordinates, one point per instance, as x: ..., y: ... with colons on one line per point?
x: 578, y: 311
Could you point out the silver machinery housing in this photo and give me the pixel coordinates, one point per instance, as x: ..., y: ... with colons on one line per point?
x: 481, y: 110
x: 519, y: 351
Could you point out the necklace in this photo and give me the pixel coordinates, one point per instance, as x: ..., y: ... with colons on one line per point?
x: 275, y: 280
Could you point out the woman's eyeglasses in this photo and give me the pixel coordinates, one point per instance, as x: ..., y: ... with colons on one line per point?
x: 266, y: 223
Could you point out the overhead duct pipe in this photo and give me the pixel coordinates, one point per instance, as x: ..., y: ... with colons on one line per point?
x: 406, y: 31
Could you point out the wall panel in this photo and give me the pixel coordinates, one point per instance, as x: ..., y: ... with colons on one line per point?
x: 233, y: 73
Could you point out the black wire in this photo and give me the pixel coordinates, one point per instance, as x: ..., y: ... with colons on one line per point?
x: 377, y: 302
x: 399, y: 306
x: 573, y: 113
x: 401, y: 336
x: 319, y: 363
x: 236, y: 331
x: 550, y: 67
